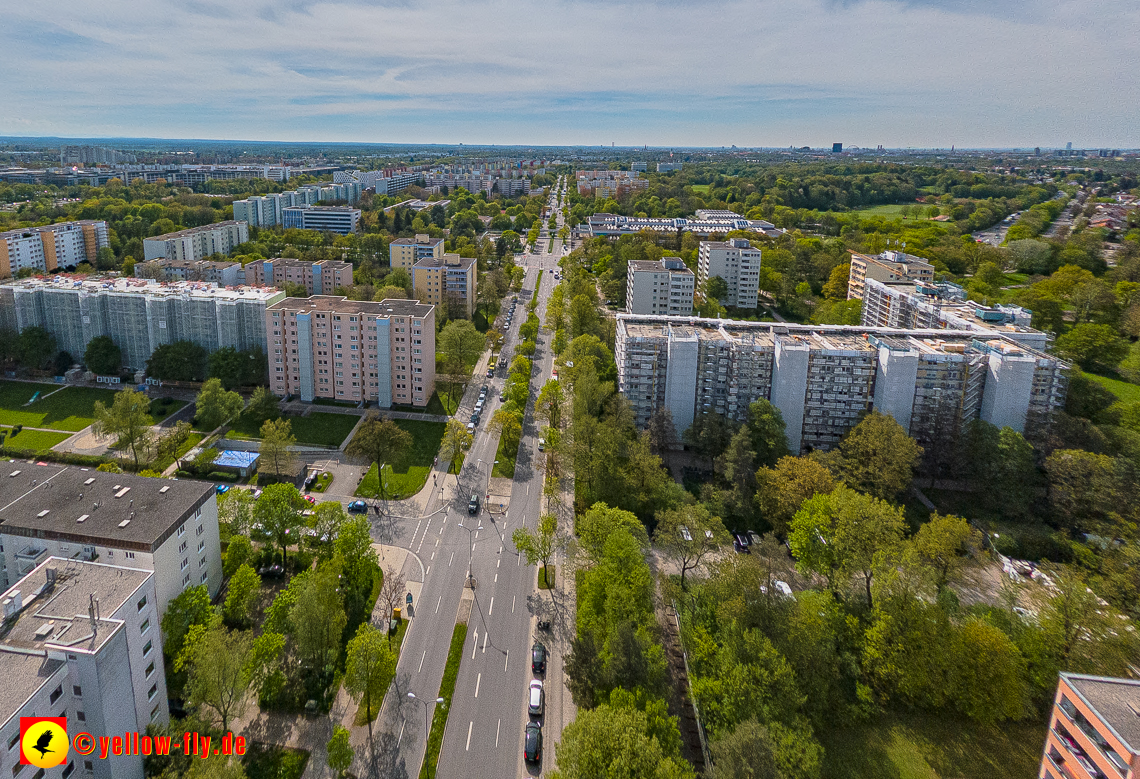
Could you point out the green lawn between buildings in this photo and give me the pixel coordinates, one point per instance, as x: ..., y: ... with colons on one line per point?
x: 1123, y: 390
x: 926, y: 746
x: 34, y: 440
x: 318, y: 429
x: 409, y: 475
x: 72, y: 408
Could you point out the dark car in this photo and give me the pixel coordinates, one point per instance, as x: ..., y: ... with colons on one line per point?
x: 532, y: 743
x: 473, y: 505
x: 538, y: 658
x: 272, y: 571
x: 740, y: 543
x: 475, y: 417
x: 490, y: 372
x: 358, y: 507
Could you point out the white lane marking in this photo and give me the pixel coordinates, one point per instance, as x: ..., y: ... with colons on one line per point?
x: 437, y: 604
x: 497, y: 726
x: 402, y: 723
x: 519, y: 558
x: 468, y: 747
x: 422, y: 659
x: 441, y: 530
x: 476, y: 533
x: 437, y: 542
x: 512, y: 603
x: 478, y: 680
x: 506, y: 657
x: 485, y: 635
x: 427, y: 571
x: 451, y: 560
x: 491, y: 607
x: 496, y: 578
x: 528, y: 489
x: 500, y: 548
x: 497, y: 562
x: 475, y: 646
x: 432, y: 556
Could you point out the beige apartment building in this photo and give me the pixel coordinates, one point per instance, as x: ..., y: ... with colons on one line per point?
x: 317, y: 277
x: 406, y: 252
x: 352, y: 350
x: 449, y: 280
x: 886, y: 267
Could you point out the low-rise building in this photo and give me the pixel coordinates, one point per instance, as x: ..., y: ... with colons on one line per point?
x: 661, y: 287
x: 352, y: 350
x: 50, y: 247
x: 196, y: 243
x: 449, y: 280
x: 161, y: 525
x: 334, y: 219
x: 735, y: 261
x: 318, y: 277
x: 1094, y: 730
x: 824, y: 378
x: 406, y: 252
x: 227, y: 274
x: 81, y: 641
x: 887, y: 267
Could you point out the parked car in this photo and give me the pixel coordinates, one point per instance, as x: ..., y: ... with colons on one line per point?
x: 740, y: 543
x: 503, y: 396
x: 255, y: 493
x: 475, y: 417
x: 490, y: 372
x: 532, y: 743
x: 542, y: 444
x: 274, y: 571
x: 538, y: 658
x: 358, y: 507
x: 222, y: 489
x: 536, y: 699
x: 471, y: 428
x: 310, y: 500
x: 753, y: 538
x: 473, y: 505
x: 685, y: 534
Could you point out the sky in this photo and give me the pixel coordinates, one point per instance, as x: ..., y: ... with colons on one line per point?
x: 901, y: 73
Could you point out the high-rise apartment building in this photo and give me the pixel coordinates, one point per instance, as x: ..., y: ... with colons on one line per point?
x: 448, y: 280
x: 333, y: 219
x: 138, y: 314
x: 196, y: 243
x: 1094, y: 731
x: 352, y: 350
x: 318, y: 277
x: 51, y: 247
x: 227, y: 274
x: 823, y: 378
x: 82, y: 641
x: 737, y: 263
x: 661, y: 287
x: 886, y: 267
x: 165, y: 526
x: 406, y: 252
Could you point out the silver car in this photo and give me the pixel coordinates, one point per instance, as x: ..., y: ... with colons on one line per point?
x: 536, y: 702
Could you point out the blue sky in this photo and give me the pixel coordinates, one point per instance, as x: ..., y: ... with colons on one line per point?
x: 674, y: 72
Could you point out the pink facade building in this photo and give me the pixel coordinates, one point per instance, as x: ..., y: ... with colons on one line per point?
x: 1094, y: 731
x: 352, y: 350
x: 318, y: 278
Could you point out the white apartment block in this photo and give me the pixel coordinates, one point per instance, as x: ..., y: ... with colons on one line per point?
x: 334, y: 219
x: 352, y: 350
x: 82, y: 641
x: 62, y: 245
x: 166, y: 526
x: 737, y: 263
x: 138, y: 314
x: 197, y: 243
x: 662, y: 287
x: 888, y: 266
x: 823, y: 378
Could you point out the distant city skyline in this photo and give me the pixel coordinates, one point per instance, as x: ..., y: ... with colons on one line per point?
x: 900, y: 73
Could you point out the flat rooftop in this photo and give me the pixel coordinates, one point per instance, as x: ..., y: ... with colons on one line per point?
x: 85, y: 506
x: 1117, y: 701
x: 464, y: 263
x: 56, y: 615
x: 416, y: 242
x: 658, y: 266
x: 193, y: 231
x: 65, y: 282
x: 342, y: 305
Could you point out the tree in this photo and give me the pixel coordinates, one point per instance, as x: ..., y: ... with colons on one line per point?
x: 1094, y: 347
x: 836, y: 286
x: 392, y: 590
x: 190, y: 607
x: 765, y: 427
x: 368, y: 669
x: 780, y: 491
x: 239, y: 551
x: 218, y: 677
x: 235, y: 368
x: 379, y: 440
x: 167, y: 446
x: 877, y: 456
x: 461, y: 344
x: 102, y: 356
x: 339, y: 750
x: 215, y: 406
x: 616, y: 741
x: 35, y: 347
x: 988, y: 673
x: 838, y: 535
x: 278, y: 511
x: 359, y: 565
x: 456, y: 440
x: 243, y: 588
x: 746, y: 752
x: 548, y: 407
x: 235, y: 510
x: 738, y: 467
x: 509, y: 426
x: 595, y: 526
x: 326, y: 521
x: 317, y: 618
x: 128, y: 421
x: 276, y: 447
x: 662, y: 432
x: 687, y: 535
x: 716, y: 288
x: 942, y: 544
x: 540, y: 544
x: 263, y: 405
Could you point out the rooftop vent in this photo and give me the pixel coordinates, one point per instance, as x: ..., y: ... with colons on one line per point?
x: 14, y: 473
x: 124, y: 523
x: 44, y: 630
x: 83, y: 518
x: 43, y: 513
x: 122, y: 492
x: 90, y: 481
x: 164, y: 490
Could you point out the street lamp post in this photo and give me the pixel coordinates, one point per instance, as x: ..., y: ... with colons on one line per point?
x: 470, y: 550
x: 427, y: 723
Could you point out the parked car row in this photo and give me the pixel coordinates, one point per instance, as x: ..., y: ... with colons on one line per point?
x: 535, y: 705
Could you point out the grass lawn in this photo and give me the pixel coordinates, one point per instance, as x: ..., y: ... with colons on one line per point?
x: 161, y: 408
x: 192, y: 440
x: 446, y: 690
x: 407, y: 477
x: 1125, y: 391
x: 322, y: 483
x: 891, y: 209
x: 923, y: 746
x: 318, y: 429
x: 269, y: 761
x: 72, y: 408
x: 397, y: 641
x: 437, y: 405
x: 704, y: 188
x: 36, y: 440
x: 546, y: 576
x: 505, y: 461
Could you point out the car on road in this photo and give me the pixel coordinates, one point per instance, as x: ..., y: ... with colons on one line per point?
x: 358, y: 507
x: 222, y: 489
x: 740, y: 543
x: 310, y: 500
x: 471, y: 428
x: 536, y: 700
x: 490, y: 372
x: 532, y: 743
x: 473, y: 505
x: 272, y: 571
x: 538, y: 658
x: 542, y: 444
x: 503, y: 396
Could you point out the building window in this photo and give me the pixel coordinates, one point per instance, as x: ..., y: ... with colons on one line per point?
x: 147, y: 648
x: 153, y: 689
x: 144, y: 627
x: 81, y: 716
x: 185, y: 580
x: 58, y: 691
x: 201, y: 529
x: 13, y: 741
x: 182, y: 547
x: 149, y: 670
x: 69, y: 770
x: 185, y: 563
x: 181, y: 529
x: 130, y: 555
x: 205, y: 575
x: 78, y: 691
x: 201, y: 545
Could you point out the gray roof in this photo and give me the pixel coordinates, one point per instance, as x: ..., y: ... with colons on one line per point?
x: 1117, y: 701
x: 117, y: 509
x: 342, y: 305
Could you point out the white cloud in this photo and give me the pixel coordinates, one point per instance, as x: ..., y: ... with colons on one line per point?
x: 897, y: 72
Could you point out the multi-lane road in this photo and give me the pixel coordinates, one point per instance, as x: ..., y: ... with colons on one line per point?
x: 488, y: 714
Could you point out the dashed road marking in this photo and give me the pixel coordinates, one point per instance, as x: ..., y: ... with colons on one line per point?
x: 469, y: 727
x: 478, y: 680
